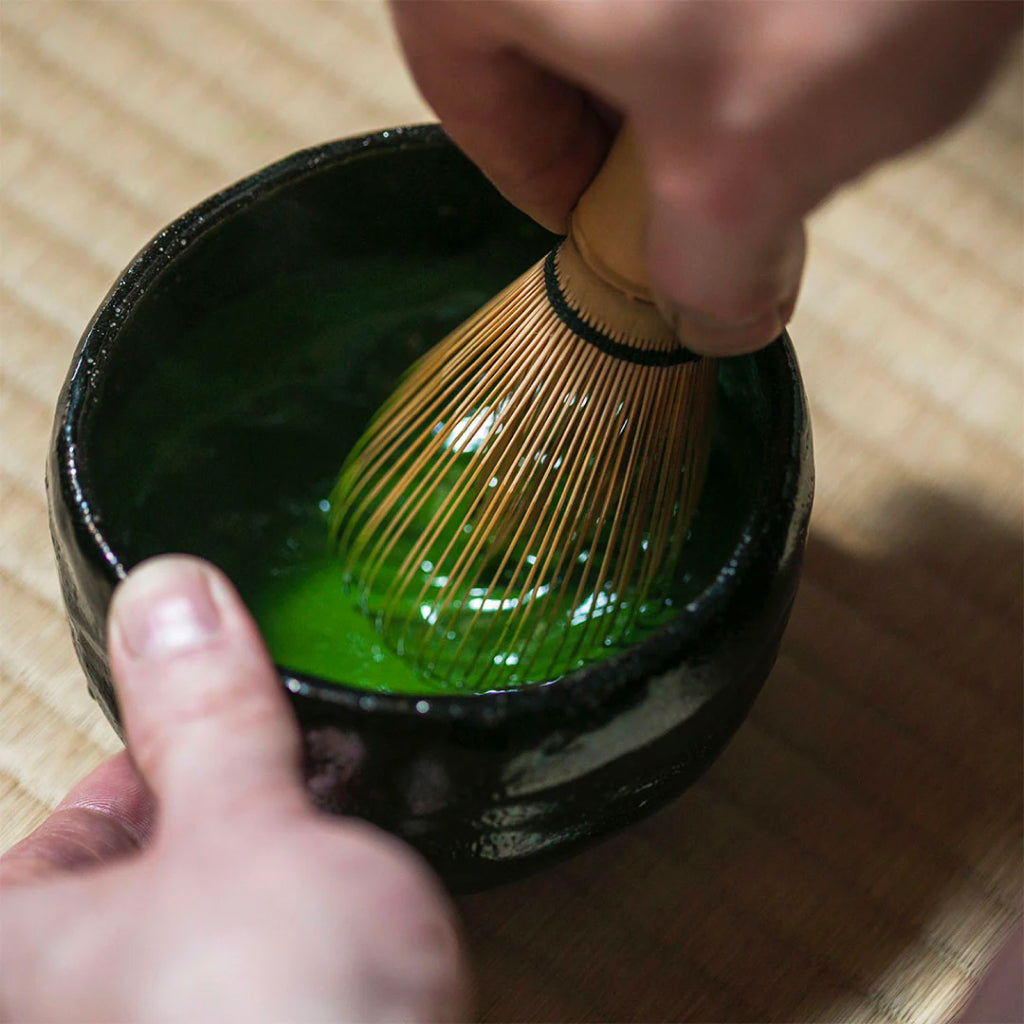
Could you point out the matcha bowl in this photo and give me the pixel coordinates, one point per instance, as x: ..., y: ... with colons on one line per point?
x: 214, y: 397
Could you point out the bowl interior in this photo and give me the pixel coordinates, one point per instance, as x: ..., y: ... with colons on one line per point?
x: 240, y: 379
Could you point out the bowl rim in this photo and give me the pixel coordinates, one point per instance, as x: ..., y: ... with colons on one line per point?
x: 779, y: 486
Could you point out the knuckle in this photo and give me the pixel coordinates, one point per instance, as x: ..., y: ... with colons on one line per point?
x: 202, y: 704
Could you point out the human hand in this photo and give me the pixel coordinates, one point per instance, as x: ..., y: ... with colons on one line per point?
x: 197, y: 884
x: 748, y: 114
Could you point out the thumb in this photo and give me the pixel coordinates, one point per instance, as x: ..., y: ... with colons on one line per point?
x: 726, y: 278
x: 206, y: 720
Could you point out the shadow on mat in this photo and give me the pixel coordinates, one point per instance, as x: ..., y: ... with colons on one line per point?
x: 854, y: 848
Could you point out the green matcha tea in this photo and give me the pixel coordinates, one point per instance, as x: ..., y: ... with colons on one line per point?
x: 229, y: 448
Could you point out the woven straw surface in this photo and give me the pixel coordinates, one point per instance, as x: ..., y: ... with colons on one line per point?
x: 855, y: 854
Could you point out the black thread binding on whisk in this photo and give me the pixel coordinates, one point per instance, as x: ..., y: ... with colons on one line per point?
x: 630, y: 354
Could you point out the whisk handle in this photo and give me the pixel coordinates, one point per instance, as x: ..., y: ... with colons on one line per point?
x: 608, y: 222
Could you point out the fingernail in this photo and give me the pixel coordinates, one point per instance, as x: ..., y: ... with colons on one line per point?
x: 165, y: 608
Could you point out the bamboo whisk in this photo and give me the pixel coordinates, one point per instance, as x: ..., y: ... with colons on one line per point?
x: 516, y: 501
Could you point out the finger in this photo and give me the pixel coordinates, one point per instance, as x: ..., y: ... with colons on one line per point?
x: 539, y: 138
x: 728, y: 283
x: 206, y: 719
x: 107, y: 815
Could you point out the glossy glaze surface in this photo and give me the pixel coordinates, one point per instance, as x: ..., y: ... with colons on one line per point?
x: 486, y: 786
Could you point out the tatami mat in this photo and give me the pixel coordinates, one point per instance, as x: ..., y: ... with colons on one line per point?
x: 856, y: 853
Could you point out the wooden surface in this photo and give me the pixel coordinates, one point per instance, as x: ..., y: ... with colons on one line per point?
x: 855, y: 854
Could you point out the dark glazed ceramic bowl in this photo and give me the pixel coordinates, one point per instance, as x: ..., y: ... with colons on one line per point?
x: 238, y: 357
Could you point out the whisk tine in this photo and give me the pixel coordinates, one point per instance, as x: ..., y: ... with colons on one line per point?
x: 406, y: 436
x: 522, y: 377
x: 530, y: 482
x: 492, y: 512
x: 595, y: 468
x: 447, y: 361
x: 538, y: 567
x: 618, y: 486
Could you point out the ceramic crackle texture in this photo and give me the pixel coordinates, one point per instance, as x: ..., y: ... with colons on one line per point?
x: 854, y: 854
